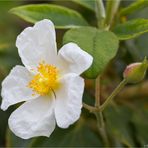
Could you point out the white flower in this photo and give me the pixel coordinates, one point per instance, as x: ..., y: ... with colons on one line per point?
x: 49, y: 83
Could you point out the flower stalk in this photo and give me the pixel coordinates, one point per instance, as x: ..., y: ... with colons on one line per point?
x: 114, y: 93
x: 90, y: 108
x: 99, y: 114
x: 101, y: 128
x: 97, y: 92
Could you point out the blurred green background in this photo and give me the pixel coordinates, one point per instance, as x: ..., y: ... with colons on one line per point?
x: 126, y: 119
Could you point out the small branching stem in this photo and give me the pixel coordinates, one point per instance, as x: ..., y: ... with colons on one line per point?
x: 97, y: 92
x: 99, y: 115
x: 114, y: 93
x: 108, y: 100
x: 91, y: 109
x: 97, y: 110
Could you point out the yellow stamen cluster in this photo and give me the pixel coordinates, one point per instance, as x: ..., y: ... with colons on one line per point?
x: 46, y: 80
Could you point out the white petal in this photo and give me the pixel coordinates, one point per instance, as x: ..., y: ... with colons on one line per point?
x: 33, y: 118
x: 73, y: 59
x: 69, y: 100
x: 36, y: 44
x: 14, y: 87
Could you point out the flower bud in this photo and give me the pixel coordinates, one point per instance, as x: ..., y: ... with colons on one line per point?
x: 135, y: 72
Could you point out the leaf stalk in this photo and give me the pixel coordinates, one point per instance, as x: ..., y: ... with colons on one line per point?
x: 100, y: 13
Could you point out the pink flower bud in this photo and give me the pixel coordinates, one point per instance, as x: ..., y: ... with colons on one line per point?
x: 135, y: 72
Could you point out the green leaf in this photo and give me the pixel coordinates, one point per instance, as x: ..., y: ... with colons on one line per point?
x: 139, y: 4
x: 90, y: 4
x: 131, y: 29
x: 62, y: 17
x: 102, y: 45
x: 117, y: 123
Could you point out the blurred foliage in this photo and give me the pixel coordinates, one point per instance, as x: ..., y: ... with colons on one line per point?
x: 88, y: 4
x: 8, y: 54
x: 126, y: 119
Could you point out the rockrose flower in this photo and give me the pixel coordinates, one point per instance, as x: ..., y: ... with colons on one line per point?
x: 49, y: 83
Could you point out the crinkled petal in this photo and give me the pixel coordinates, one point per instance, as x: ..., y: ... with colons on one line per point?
x: 73, y: 59
x: 14, y: 87
x: 69, y: 100
x: 33, y: 118
x: 37, y: 44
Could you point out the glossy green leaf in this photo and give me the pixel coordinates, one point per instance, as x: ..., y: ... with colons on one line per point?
x: 102, y: 45
x: 62, y: 17
x: 135, y: 6
x: 90, y: 4
x: 131, y: 29
x: 117, y: 123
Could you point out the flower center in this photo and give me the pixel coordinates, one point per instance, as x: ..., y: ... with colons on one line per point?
x: 46, y: 80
